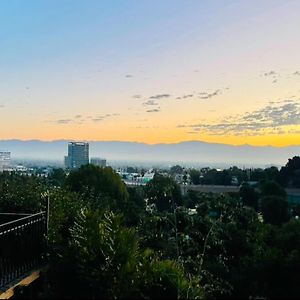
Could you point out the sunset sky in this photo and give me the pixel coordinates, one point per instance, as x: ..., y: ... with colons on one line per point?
x: 151, y: 71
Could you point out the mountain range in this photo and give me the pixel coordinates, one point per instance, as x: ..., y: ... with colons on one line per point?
x: 184, y: 152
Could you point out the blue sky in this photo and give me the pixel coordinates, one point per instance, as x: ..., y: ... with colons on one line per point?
x: 61, y: 59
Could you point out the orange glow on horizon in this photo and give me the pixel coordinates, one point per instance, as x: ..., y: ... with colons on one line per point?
x: 150, y: 136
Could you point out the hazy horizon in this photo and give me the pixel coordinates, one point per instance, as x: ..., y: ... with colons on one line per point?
x: 193, y: 152
x: 145, y: 164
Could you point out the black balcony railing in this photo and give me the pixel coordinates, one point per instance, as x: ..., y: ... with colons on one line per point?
x: 22, y: 245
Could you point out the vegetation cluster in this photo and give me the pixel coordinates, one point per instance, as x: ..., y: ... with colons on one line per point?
x: 109, y: 241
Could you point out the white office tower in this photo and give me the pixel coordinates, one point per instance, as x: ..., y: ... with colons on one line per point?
x: 78, y: 155
x: 5, y: 161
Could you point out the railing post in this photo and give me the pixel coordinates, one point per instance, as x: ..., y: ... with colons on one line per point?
x: 45, y: 196
x: 47, y: 211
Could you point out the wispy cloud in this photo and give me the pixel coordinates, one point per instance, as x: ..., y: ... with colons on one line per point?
x: 64, y: 121
x: 160, y: 96
x: 205, y: 95
x: 128, y: 76
x: 104, y: 117
x: 150, y: 103
x: 137, y: 96
x: 153, y: 110
x: 270, y: 73
x: 80, y: 119
x: 186, y: 96
x: 271, y: 118
x: 98, y: 119
x: 274, y: 76
x: 101, y: 117
x: 200, y: 95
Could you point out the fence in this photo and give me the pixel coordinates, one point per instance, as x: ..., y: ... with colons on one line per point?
x: 22, y: 245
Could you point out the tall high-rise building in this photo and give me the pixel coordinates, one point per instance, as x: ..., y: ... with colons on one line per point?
x: 5, y: 160
x: 78, y: 155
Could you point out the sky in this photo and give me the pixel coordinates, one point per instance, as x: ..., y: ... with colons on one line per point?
x: 151, y: 71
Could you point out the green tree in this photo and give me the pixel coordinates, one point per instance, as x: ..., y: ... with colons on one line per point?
x: 164, y: 192
x: 290, y: 173
x: 64, y: 207
x: 257, y: 175
x: 176, y: 170
x: 239, y: 173
x: 195, y: 176
x: 272, y: 173
x: 105, y: 261
x: 275, y: 267
x: 213, y: 176
x: 131, y: 170
x: 102, y: 187
x: 214, y: 244
x: 57, y: 177
x: 223, y: 178
x: 136, y: 205
x: 249, y: 196
x: 274, y: 209
x: 191, y: 199
x: 272, y: 188
x: 20, y: 194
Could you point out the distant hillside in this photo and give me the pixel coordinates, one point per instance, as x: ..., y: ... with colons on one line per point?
x: 193, y: 151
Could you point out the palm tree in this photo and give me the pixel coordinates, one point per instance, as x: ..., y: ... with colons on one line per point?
x: 111, y: 265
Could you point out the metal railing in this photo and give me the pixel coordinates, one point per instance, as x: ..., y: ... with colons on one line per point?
x: 22, y: 245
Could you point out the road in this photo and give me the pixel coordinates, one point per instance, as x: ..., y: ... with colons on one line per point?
x: 212, y: 188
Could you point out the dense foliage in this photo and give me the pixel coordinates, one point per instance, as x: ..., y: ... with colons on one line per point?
x: 20, y: 194
x: 287, y: 176
x: 107, y: 241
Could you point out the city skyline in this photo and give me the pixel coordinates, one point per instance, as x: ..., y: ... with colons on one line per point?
x: 151, y: 71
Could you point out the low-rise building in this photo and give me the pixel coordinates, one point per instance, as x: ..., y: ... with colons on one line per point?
x: 5, y: 160
x: 97, y: 161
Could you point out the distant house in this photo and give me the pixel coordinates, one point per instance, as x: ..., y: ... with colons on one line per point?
x: 148, y: 176
x: 234, y: 180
